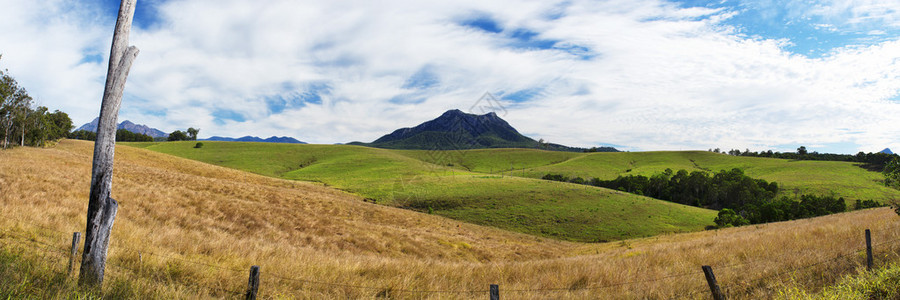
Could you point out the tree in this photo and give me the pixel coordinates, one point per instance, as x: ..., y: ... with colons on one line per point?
x: 728, y: 218
x: 61, y: 124
x: 21, y: 123
x: 802, y: 150
x: 123, y: 135
x: 38, y: 125
x: 178, y: 135
x: 102, y: 209
x: 83, y: 135
x: 192, y: 132
x: 892, y: 173
x: 14, y: 107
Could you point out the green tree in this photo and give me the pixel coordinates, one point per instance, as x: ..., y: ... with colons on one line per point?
x: 802, y: 150
x: 15, y: 106
x: 892, y: 173
x: 178, y: 135
x: 123, y: 135
x: 728, y: 218
x: 39, y: 127
x: 61, y: 124
x: 192, y: 132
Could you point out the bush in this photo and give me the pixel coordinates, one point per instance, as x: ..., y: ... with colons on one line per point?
x: 863, y: 204
x: 728, y: 218
x: 199, y: 145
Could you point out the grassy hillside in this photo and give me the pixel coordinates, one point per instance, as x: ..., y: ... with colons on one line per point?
x: 199, y: 227
x: 844, y: 179
x: 558, y: 210
x: 188, y: 230
x: 492, y: 160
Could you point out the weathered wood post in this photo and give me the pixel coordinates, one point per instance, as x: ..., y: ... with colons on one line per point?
x: 713, y: 285
x: 253, y: 283
x: 76, y: 237
x: 101, y: 207
x: 869, y: 260
x: 495, y: 292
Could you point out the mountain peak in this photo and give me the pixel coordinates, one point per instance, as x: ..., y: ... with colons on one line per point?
x: 455, y: 129
x: 453, y: 112
x: 887, y: 151
x: 127, y: 125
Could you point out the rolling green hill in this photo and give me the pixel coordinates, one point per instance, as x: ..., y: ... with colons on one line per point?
x: 844, y: 179
x: 397, y: 178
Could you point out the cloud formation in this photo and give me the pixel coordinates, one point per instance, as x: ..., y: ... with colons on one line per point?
x: 646, y: 74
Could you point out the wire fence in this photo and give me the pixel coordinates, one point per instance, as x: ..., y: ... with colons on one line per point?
x: 732, y: 289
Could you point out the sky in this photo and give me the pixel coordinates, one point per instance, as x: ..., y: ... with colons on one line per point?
x: 639, y: 75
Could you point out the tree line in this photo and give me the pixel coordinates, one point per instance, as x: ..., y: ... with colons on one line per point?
x: 24, y: 125
x: 872, y: 161
x: 124, y: 135
x: 739, y: 198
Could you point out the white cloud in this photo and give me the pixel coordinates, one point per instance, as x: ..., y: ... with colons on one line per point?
x: 660, y: 76
x: 852, y: 13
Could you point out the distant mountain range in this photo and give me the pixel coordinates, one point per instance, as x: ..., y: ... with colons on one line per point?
x: 273, y: 139
x: 887, y: 151
x: 456, y: 130
x: 127, y: 125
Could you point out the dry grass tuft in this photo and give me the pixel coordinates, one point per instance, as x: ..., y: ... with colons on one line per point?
x: 192, y: 230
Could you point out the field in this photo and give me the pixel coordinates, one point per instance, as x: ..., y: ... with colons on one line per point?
x: 843, y: 179
x: 533, y: 206
x: 191, y: 230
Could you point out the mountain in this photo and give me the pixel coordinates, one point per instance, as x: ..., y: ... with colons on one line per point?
x: 887, y: 151
x: 455, y: 130
x: 127, y: 125
x: 273, y: 139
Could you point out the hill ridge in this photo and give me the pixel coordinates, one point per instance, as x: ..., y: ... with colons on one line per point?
x: 247, y: 138
x: 457, y: 130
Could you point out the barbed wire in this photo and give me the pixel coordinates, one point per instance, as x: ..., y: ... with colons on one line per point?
x: 133, y: 273
x: 745, y: 288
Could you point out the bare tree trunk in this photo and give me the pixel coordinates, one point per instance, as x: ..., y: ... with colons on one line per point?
x: 101, y: 207
x: 24, y: 122
x: 6, y: 136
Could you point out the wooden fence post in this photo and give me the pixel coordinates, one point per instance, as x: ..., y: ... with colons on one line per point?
x: 101, y: 207
x: 869, y: 260
x: 76, y: 237
x: 713, y: 285
x: 253, y: 284
x: 495, y: 292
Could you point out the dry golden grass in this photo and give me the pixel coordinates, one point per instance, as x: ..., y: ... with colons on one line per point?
x: 189, y: 229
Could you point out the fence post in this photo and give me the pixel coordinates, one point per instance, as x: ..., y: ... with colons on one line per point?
x: 869, y: 259
x: 253, y: 284
x: 76, y: 237
x: 495, y: 292
x: 713, y: 285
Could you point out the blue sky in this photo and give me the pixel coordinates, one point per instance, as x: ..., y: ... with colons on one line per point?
x: 639, y: 74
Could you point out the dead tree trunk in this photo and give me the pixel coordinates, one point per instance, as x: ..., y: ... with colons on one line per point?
x: 101, y: 207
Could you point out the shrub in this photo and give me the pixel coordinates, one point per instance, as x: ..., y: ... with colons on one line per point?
x: 728, y: 218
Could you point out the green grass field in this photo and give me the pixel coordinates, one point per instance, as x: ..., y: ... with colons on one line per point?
x: 399, y: 178
x: 843, y: 179
x: 501, y: 187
